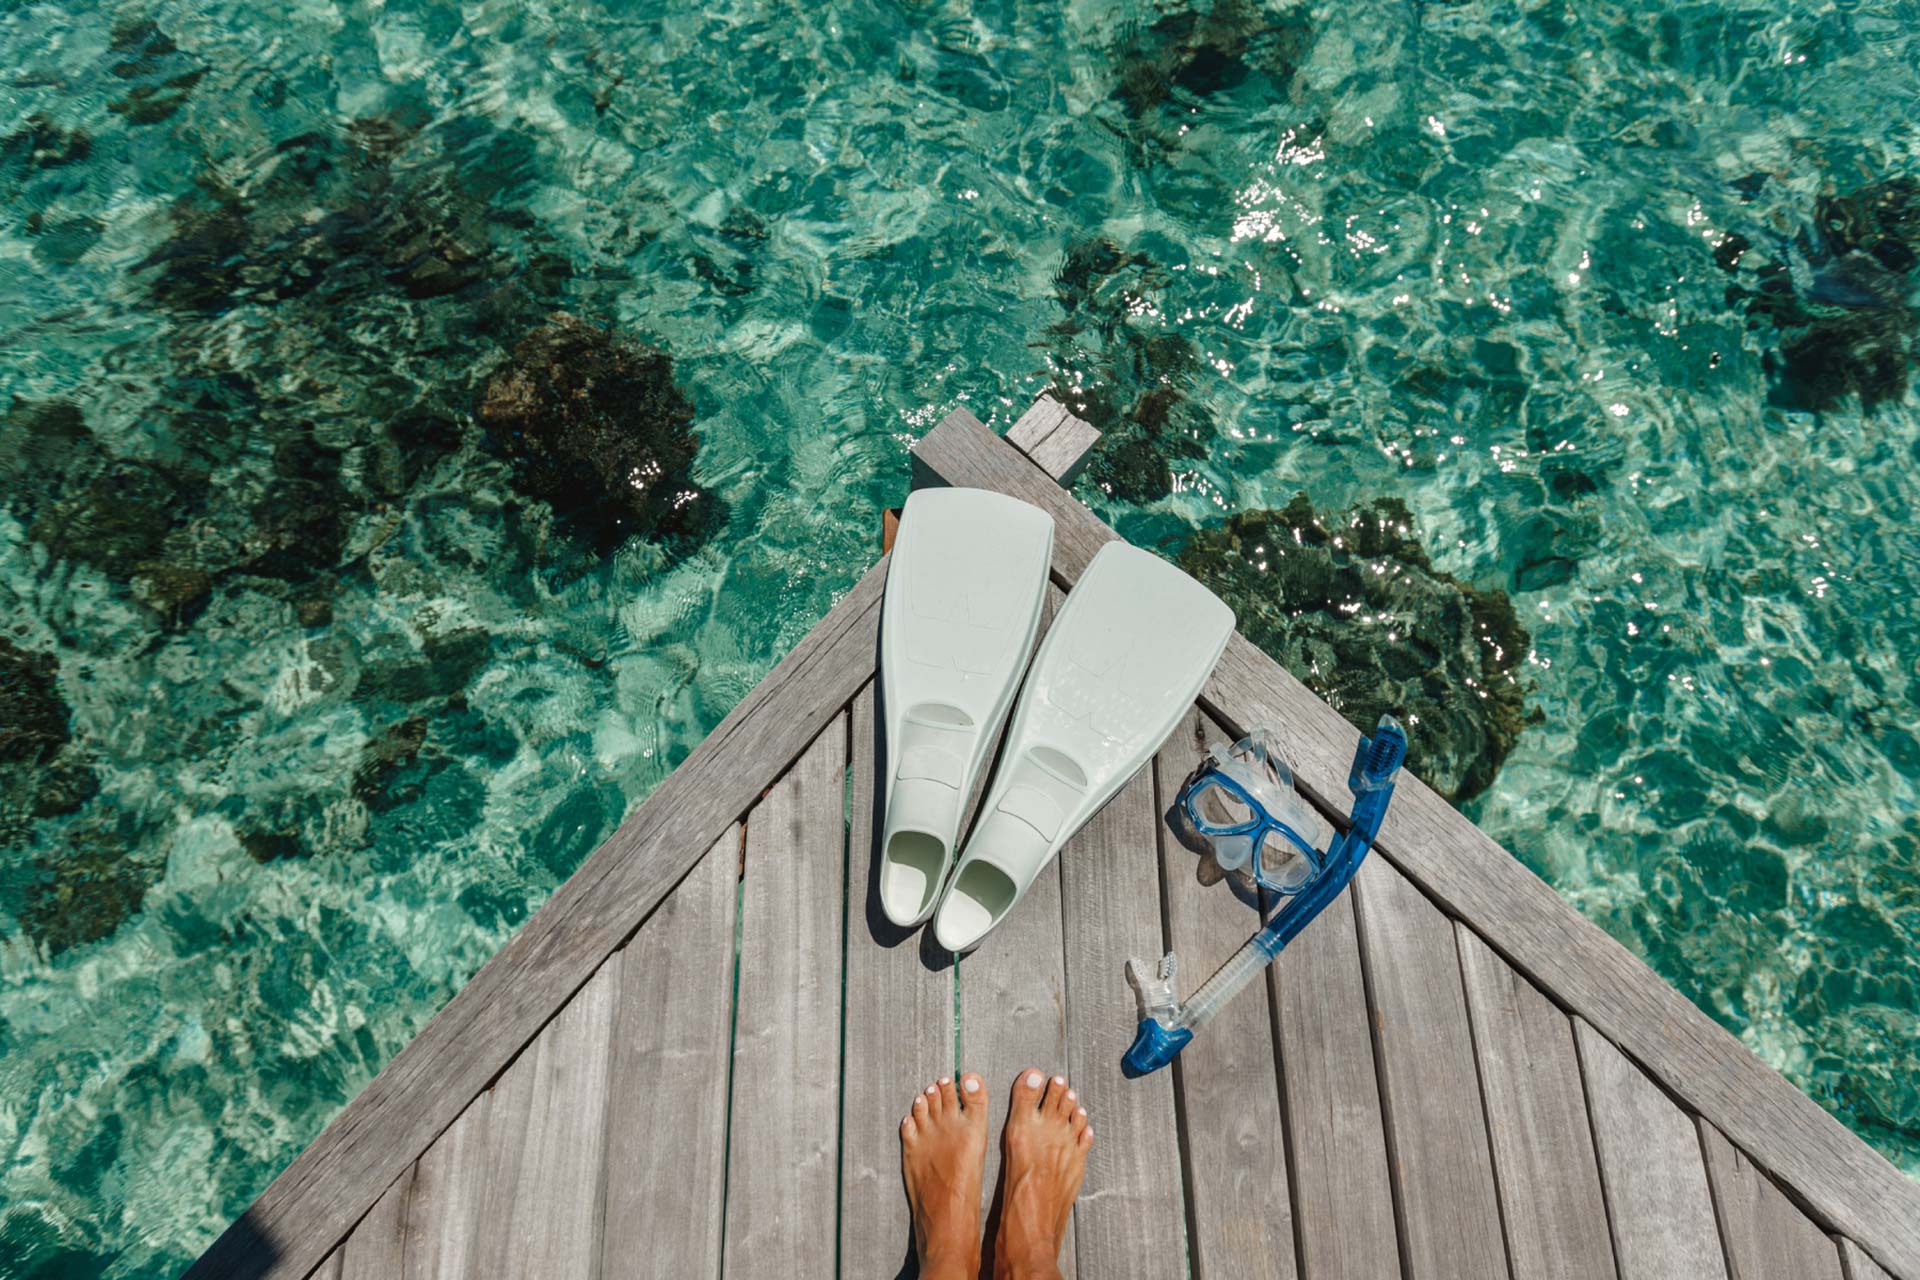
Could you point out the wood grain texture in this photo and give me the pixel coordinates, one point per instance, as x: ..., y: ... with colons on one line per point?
x: 546, y: 1146
x: 666, y: 1142
x: 312, y: 1204
x: 1851, y: 1186
x: 1013, y: 1011
x: 1057, y: 442
x: 783, y: 1163
x: 1130, y: 1219
x: 1764, y: 1236
x: 900, y: 1035
x: 447, y: 1199
x: 1343, y: 1196
x: 1233, y: 1140
x: 1041, y: 419
x: 329, y: 1269
x: 1012, y: 993
x: 1650, y: 1163
x: 1064, y: 453
x: 1549, y: 1179
x: 1437, y: 1144
x: 377, y: 1248
x: 1856, y: 1265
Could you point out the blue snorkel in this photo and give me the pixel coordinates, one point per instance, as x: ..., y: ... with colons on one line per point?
x: 1167, y: 1025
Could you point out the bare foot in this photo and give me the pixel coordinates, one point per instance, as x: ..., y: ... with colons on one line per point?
x: 1047, y: 1138
x: 943, y: 1145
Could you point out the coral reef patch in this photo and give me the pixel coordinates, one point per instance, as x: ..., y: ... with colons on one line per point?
x: 1352, y: 605
x: 595, y: 426
x: 82, y: 891
x: 1118, y: 367
x: 1164, y: 67
x: 43, y: 773
x: 1845, y: 323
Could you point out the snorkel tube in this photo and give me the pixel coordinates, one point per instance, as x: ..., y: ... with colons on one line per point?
x: 1167, y: 1025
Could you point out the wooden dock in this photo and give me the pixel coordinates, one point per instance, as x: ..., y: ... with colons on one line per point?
x: 693, y: 1060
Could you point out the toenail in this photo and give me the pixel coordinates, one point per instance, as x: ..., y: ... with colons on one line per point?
x: 1071, y: 1095
x: 971, y: 1086
x: 1083, y: 1111
x: 931, y: 1090
x: 946, y: 1079
x: 1059, y: 1079
x: 1033, y: 1080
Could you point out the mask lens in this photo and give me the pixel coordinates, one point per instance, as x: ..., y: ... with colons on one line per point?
x: 1220, y: 808
x: 1282, y: 865
x: 1231, y: 853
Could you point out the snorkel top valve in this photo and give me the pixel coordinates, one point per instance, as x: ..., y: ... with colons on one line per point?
x: 1167, y: 1025
x: 1376, y: 763
x: 1377, y: 760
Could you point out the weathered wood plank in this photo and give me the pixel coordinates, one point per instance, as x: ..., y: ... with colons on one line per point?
x: 1042, y: 418
x: 376, y: 1249
x: 1130, y: 1215
x: 1058, y: 442
x: 1857, y: 1265
x: 1437, y: 1144
x: 666, y: 1138
x: 1549, y: 1178
x: 1850, y: 1185
x: 502, y: 1157
x: 546, y: 1145
x: 1233, y: 1140
x: 1764, y: 1235
x: 447, y: 1199
x: 1064, y: 453
x: 1013, y: 1011
x: 900, y: 1021
x: 330, y: 1268
x: 1012, y: 993
x: 1343, y: 1197
x: 783, y: 1164
x: 1657, y: 1198
x: 312, y: 1204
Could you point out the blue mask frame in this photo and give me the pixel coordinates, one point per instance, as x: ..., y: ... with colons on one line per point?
x: 1259, y: 826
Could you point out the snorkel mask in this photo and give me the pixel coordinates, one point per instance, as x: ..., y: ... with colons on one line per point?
x: 1240, y: 808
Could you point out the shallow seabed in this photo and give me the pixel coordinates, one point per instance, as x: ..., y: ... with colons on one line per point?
x: 1531, y: 269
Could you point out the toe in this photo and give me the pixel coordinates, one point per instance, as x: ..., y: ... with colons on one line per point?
x: 949, y: 1098
x: 1086, y: 1137
x: 922, y: 1109
x: 909, y: 1130
x: 1028, y: 1088
x: 1057, y: 1103
x: 973, y: 1097
x: 1078, y: 1120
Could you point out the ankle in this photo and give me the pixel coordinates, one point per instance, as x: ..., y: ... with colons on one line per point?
x: 1034, y: 1268
x: 1025, y: 1260
x: 954, y: 1262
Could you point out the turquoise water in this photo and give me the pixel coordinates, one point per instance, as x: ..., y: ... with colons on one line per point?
x: 310, y: 692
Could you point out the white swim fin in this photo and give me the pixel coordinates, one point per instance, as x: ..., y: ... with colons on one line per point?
x: 965, y: 588
x: 1127, y: 656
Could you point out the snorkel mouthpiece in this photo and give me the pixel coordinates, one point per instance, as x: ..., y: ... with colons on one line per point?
x: 1167, y: 1024
x: 1162, y: 1032
x: 1154, y: 1046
